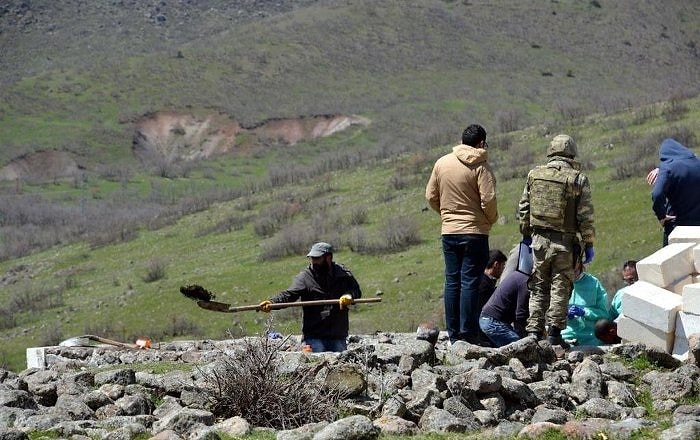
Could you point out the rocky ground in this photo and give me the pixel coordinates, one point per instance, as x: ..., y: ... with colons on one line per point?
x: 391, y: 383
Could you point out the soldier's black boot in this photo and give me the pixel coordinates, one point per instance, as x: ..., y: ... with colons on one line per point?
x: 554, y: 338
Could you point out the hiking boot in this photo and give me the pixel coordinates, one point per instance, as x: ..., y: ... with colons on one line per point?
x: 554, y: 338
x: 536, y: 335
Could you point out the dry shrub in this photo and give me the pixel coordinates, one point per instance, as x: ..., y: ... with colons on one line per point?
x: 155, y: 270
x: 249, y: 383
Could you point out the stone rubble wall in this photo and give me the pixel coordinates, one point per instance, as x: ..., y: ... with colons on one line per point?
x: 394, y: 384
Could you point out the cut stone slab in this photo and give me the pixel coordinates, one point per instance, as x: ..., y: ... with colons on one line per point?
x: 633, y: 331
x: 651, y: 305
x: 678, y: 286
x: 668, y: 265
x: 685, y: 234
x: 691, y: 299
x: 36, y: 357
x: 686, y: 325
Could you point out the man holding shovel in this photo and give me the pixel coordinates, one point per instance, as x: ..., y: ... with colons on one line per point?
x: 325, y: 327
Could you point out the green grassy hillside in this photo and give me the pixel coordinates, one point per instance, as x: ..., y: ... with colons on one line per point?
x: 131, y: 289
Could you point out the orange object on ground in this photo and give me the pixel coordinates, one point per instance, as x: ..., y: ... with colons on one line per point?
x: 143, y: 343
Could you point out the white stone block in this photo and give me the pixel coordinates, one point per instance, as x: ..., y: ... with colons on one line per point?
x: 677, y: 287
x: 667, y: 265
x: 651, y: 305
x: 686, y: 325
x: 696, y: 258
x: 36, y: 357
x: 633, y: 331
x: 685, y: 234
x: 691, y: 299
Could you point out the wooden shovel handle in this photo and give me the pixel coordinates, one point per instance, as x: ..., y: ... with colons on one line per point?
x: 221, y: 307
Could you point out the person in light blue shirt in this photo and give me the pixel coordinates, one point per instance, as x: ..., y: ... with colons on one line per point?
x: 629, y: 276
x: 588, y: 304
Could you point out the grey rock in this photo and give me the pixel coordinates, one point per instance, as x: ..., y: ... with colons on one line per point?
x: 601, y: 408
x: 305, y: 432
x: 457, y: 408
x: 72, y: 408
x: 485, y: 417
x: 234, y: 427
x: 545, y: 413
x: 394, y: 407
x: 17, y: 399
x: 96, y: 399
x: 123, y: 376
x: 181, y: 421
x: 686, y: 413
x: 537, y: 430
x: 586, y: 382
x: 112, y: 390
x: 135, y: 405
x: 353, y: 427
x: 617, y: 371
x: 13, y: 434
x: 619, y: 393
x: 424, y: 378
x: 394, y: 425
x: 509, y: 429
x: 668, y: 385
x: 495, y: 403
x: 683, y: 431
x: 664, y: 405
x: 626, y: 428
x: 108, y: 411
x: 552, y: 393
x: 483, y: 381
x: 517, y: 391
x: 441, y: 421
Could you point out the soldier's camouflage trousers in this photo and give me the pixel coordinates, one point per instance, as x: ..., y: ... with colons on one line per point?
x: 552, y: 280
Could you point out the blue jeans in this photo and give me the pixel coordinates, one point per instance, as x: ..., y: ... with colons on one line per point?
x: 498, y: 332
x: 466, y: 256
x: 320, y: 345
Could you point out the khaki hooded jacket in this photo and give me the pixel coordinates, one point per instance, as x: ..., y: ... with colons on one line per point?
x: 462, y: 188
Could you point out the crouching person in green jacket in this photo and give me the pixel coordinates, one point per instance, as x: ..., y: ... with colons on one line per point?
x: 588, y: 304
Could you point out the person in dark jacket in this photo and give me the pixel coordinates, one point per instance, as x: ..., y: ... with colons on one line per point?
x: 504, y: 316
x: 675, y: 195
x: 492, y: 273
x: 325, y: 327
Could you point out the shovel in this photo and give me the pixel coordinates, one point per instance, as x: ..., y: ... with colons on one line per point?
x: 203, y: 297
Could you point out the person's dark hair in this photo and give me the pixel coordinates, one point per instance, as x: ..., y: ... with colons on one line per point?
x: 496, y: 256
x: 632, y: 264
x: 606, y: 331
x: 473, y: 134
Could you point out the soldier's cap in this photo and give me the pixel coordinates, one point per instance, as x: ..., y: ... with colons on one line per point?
x: 562, y: 145
x: 319, y: 249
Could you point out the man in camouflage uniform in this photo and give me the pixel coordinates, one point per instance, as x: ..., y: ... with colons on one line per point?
x: 556, y: 219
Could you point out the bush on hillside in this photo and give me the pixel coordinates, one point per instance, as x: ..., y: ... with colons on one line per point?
x: 155, y: 270
x: 249, y: 383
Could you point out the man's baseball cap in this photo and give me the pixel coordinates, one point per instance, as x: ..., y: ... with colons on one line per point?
x: 319, y: 249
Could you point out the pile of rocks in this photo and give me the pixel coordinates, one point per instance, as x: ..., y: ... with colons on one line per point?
x: 393, y: 383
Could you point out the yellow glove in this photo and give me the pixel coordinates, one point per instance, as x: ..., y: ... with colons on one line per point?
x: 265, y: 306
x: 345, y: 300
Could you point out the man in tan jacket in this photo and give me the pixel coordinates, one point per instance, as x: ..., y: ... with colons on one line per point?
x: 462, y: 188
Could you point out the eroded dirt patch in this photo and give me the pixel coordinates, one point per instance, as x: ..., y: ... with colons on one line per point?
x: 178, y: 136
x: 41, y: 166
